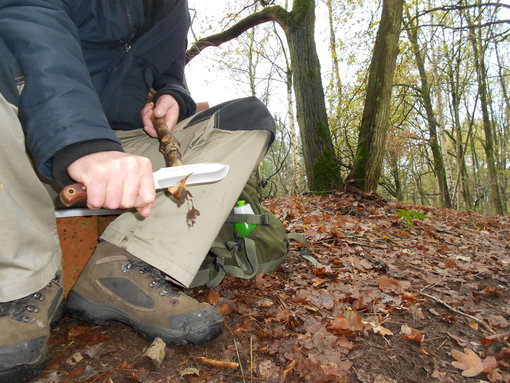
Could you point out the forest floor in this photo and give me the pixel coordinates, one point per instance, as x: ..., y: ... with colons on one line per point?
x: 419, y: 294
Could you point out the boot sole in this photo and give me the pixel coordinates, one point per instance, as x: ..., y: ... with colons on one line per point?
x: 25, y: 372
x: 79, y: 307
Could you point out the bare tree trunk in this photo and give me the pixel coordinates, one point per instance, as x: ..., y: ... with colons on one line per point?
x: 506, y: 98
x: 505, y: 133
x: 336, y: 81
x: 479, y: 61
x: 399, y: 194
x: 462, y: 174
x: 439, y: 167
x: 320, y: 160
x: 293, y: 135
x: 299, y: 25
x: 368, y: 160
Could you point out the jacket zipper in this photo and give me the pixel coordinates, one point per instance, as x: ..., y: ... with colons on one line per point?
x: 131, y: 27
x: 126, y: 46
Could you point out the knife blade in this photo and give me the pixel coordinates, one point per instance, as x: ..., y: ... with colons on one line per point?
x: 202, y: 173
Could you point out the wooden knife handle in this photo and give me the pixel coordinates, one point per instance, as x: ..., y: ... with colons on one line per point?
x: 72, y: 194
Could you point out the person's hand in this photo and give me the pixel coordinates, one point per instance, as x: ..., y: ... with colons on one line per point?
x: 166, y: 107
x: 115, y: 180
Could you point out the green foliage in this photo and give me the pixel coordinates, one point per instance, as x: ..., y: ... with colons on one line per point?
x: 410, y: 215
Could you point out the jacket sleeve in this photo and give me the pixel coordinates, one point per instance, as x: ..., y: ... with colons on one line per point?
x: 59, y: 106
x: 171, y: 78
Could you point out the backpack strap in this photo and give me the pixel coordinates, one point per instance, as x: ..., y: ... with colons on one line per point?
x: 214, y: 273
x: 210, y: 276
x: 253, y: 219
x: 244, y: 269
x: 304, y: 250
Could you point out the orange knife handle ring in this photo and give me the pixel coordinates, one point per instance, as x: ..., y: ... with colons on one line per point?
x: 71, y: 194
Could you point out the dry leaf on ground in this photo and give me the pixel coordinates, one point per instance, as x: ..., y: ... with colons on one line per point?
x: 410, y: 333
x: 471, y: 364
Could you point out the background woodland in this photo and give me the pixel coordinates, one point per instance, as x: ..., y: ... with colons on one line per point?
x: 407, y: 99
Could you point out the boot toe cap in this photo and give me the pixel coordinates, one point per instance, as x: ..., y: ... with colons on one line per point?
x: 198, y: 326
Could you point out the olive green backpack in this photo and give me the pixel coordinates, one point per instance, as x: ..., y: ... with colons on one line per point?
x: 261, y: 251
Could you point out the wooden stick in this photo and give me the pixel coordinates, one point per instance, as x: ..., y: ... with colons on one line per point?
x: 246, y: 377
x: 216, y: 363
x: 480, y: 322
x: 156, y: 352
x: 168, y: 144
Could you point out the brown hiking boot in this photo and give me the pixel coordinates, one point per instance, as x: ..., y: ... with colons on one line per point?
x: 24, y: 332
x: 117, y: 286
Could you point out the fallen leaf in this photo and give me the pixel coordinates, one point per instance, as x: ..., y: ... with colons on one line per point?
x: 497, y: 321
x: 281, y: 316
x: 267, y: 369
x: 473, y: 325
x: 381, y: 330
x: 417, y: 312
x: 262, y: 302
x: 471, y: 364
x: 387, y: 283
x: 410, y: 333
x: 460, y: 342
x: 225, y: 306
x: 346, y: 324
x: 190, y: 371
x: 213, y: 296
x: 500, y: 338
x: 384, y: 379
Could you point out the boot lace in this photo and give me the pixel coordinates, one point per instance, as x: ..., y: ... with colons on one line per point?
x: 20, y: 309
x: 156, y: 276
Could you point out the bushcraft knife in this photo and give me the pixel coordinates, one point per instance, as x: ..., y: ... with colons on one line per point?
x: 198, y: 174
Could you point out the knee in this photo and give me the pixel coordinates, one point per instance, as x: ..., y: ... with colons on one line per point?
x: 247, y: 113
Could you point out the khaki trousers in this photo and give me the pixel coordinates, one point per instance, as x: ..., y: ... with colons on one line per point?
x: 29, y: 247
x: 30, y: 254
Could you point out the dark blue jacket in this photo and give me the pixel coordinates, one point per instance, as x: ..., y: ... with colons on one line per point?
x: 88, y: 66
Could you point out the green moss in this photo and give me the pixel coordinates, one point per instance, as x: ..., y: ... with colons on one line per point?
x: 359, y: 165
x: 325, y: 173
x: 322, y: 131
x: 301, y: 8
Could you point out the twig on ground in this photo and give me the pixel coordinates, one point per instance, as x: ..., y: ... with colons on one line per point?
x: 251, y: 356
x: 246, y: 377
x: 474, y: 319
x: 376, y: 262
x: 290, y: 367
x: 239, y: 358
x: 442, y: 344
x: 216, y: 363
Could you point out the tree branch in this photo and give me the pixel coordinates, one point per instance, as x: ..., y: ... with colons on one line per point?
x: 462, y: 7
x: 276, y: 13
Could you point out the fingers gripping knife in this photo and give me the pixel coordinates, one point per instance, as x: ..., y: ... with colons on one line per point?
x: 198, y: 174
